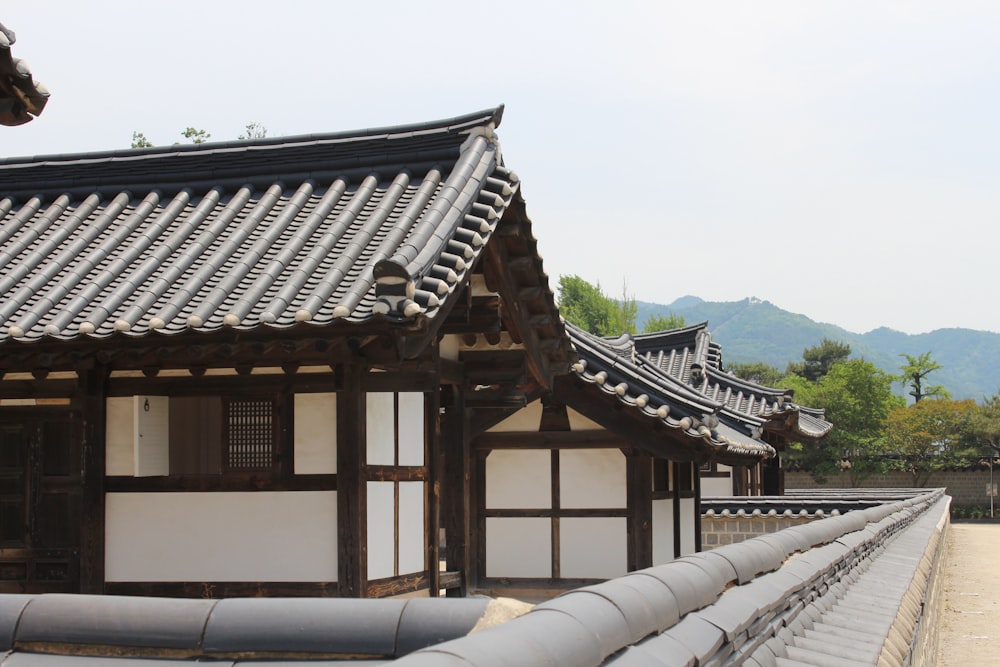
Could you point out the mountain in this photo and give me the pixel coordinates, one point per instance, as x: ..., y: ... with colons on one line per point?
x: 754, y: 330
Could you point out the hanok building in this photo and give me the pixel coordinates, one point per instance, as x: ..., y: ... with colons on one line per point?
x: 279, y: 367
x: 604, y: 475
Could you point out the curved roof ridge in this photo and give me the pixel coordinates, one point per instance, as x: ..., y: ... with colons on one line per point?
x: 454, y: 125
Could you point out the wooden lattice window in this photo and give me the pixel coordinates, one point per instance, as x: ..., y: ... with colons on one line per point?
x: 249, y: 434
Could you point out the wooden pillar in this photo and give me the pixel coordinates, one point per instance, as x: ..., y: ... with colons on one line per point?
x: 432, y: 504
x: 91, y: 404
x: 456, y: 498
x: 352, y: 496
x: 675, y: 488
x: 640, y: 505
x: 696, y: 473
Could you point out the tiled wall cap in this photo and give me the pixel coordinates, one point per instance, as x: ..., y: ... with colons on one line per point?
x: 333, y: 626
x: 114, y: 621
x: 11, y: 607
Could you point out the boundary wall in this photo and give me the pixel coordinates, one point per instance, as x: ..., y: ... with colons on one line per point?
x: 854, y: 589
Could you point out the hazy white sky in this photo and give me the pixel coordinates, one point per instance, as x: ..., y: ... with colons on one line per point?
x: 840, y: 159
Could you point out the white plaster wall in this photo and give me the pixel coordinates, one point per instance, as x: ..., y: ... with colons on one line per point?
x: 687, y: 526
x: 663, y: 531
x: 381, y: 529
x: 262, y: 536
x: 528, y: 418
x: 518, y: 479
x: 716, y: 486
x: 411, y: 429
x: 593, y: 547
x: 315, y: 434
x: 577, y: 422
x: 119, y: 433
x: 381, y: 426
x: 518, y: 547
x: 592, y: 478
x: 525, y: 419
x: 411, y: 527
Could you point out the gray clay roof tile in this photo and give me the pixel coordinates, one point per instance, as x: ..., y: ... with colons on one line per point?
x: 349, y: 226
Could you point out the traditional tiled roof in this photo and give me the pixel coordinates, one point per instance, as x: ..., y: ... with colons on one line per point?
x: 689, y: 355
x: 21, y: 97
x: 375, y: 225
x: 676, y: 377
x: 644, y: 387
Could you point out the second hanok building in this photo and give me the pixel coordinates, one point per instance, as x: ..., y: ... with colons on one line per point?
x: 319, y: 365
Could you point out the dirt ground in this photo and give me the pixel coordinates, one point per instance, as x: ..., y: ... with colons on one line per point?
x: 969, y: 631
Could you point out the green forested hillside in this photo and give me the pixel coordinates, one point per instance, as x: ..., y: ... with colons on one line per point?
x: 754, y: 330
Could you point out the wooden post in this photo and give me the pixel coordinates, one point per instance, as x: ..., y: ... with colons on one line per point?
x: 432, y: 505
x: 640, y: 506
x: 456, y: 498
x: 696, y: 472
x: 352, y: 505
x: 90, y: 403
x: 676, y: 497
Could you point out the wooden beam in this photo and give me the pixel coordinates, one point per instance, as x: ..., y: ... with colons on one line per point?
x: 517, y: 320
x: 352, y: 505
x: 37, y: 388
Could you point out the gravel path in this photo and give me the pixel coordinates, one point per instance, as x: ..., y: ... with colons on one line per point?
x: 970, y: 634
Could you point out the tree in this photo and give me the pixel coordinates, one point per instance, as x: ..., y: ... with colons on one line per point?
x: 139, y: 140
x: 666, y: 322
x: 626, y: 310
x: 758, y: 373
x: 932, y: 435
x: 915, y: 372
x: 588, y: 307
x: 819, y: 359
x: 254, y: 130
x: 196, y: 136
x: 986, y: 423
x: 857, y: 398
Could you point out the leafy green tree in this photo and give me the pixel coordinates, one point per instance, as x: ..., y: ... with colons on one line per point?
x: 196, y: 136
x: 857, y: 398
x: 757, y: 372
x: 586, y: 306
x: 666, y: 322
x: 932, y: 435
x: 914, y: 374
x: 819, y: 359
x: 986, y: 423
x: 139, y: 140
